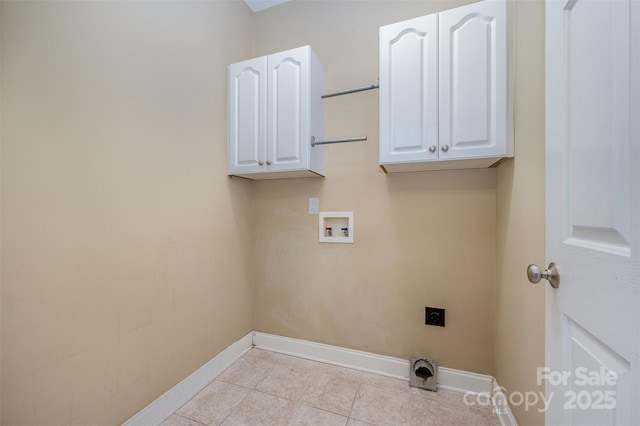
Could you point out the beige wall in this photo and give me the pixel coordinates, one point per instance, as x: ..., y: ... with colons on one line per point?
x: 519, y: 339
x: 420, y: 238
x: 126, y: 250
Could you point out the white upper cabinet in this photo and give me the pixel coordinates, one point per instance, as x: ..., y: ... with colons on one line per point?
x: 444, y: 90
x: 275, y: 108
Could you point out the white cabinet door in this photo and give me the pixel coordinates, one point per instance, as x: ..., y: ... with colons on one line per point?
x: 288, y: 139
x: 409, y: 91
x: 593, y: 212
x: 472, y: 81
x: 247, y: 116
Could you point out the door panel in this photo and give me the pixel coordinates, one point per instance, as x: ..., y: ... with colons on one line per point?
x: 601, y: 377
x: 597, y: 138
x: 593, y: 197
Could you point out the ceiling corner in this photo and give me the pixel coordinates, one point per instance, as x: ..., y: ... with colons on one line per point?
x: 258, y: 5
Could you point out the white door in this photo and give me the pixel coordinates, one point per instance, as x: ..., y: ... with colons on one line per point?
x: 472, y: 81
x: 593, y: 196
x: 288, y: 138
x: 247, y: 116
x: 409, y: 90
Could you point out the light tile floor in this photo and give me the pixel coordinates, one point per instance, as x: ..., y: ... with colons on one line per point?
x: 266, y: 388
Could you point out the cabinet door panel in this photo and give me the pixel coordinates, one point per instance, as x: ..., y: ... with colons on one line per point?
x: 247, y: 116
x: 409, y: 90
x: 288, y: 122
x: 473, y: 90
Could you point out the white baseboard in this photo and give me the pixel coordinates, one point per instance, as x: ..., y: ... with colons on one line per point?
x: 501, y: 406
x: 448, y: 378
x: 335, y: 355
x: 163, y: 407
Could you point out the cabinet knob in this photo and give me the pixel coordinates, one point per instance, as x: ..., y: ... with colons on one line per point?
x: 432, y: 148
x: 260, y: 163
x: 445, y: 148
x: 268, y: 163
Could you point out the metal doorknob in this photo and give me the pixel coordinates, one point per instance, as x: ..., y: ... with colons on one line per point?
x: 432, y: 148
x: 445, y: 148
x: 535, y: 274
x: 260, y: 163
x: 268, y: 163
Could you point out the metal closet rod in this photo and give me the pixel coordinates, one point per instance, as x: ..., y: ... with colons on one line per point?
x: 346, y: 92
x: 314, y: 142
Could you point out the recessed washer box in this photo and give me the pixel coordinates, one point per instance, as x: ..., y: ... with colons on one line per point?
x: 335, y: 227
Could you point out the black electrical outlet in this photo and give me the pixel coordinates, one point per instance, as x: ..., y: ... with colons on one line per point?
x: 434, y: 316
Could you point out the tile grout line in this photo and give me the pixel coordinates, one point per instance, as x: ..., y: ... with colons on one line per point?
x: 354, y: 402
x: 238, y: 404
x: 189, y: 418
